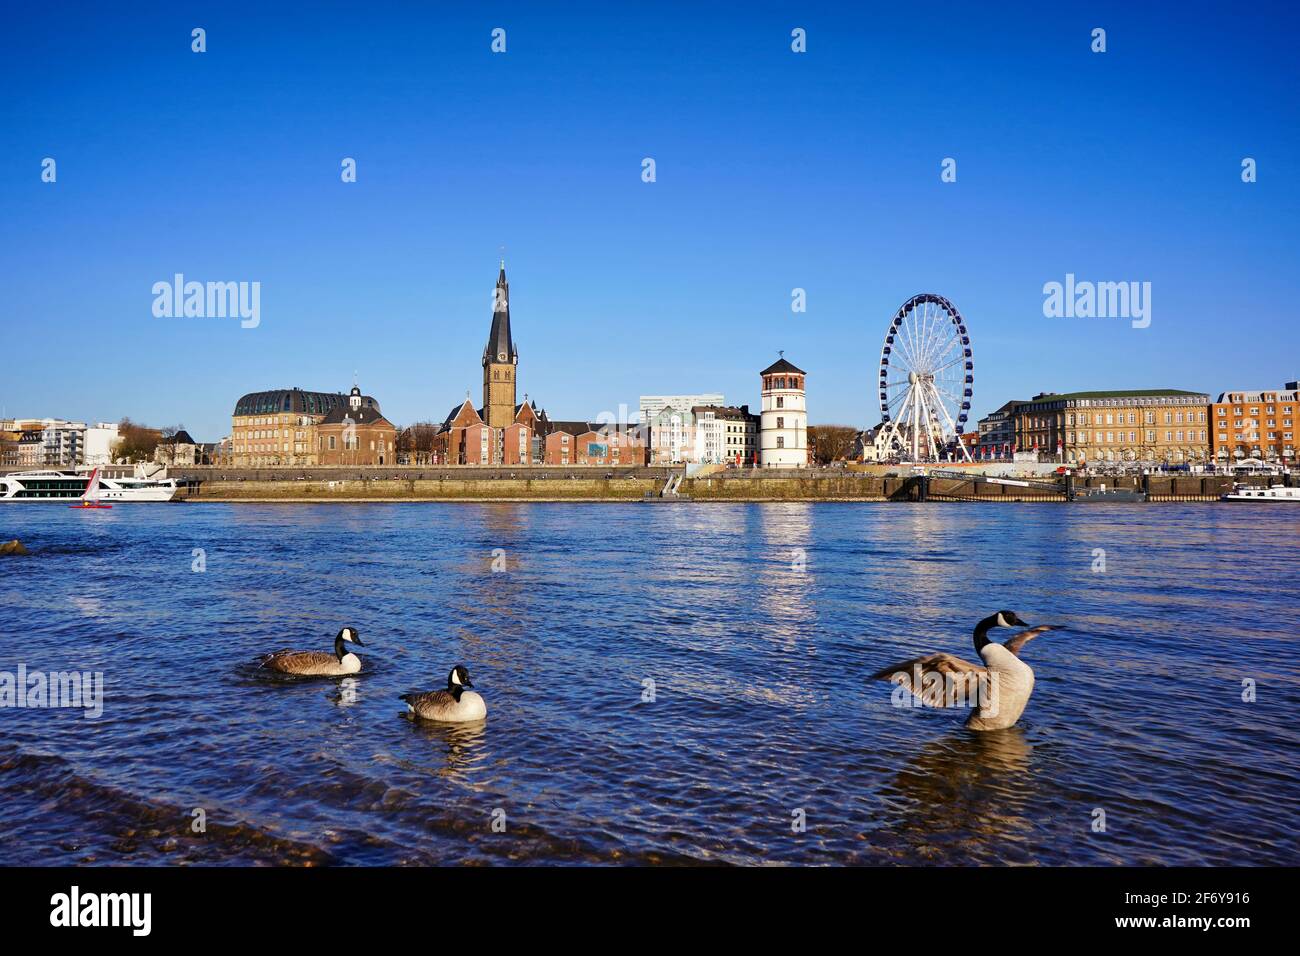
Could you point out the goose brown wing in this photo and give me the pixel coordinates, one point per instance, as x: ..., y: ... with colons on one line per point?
x: 295, y: 662
x: 427, y: 699
x: 939, y: 680
x: 430, y: 704
x: 1018, y: 641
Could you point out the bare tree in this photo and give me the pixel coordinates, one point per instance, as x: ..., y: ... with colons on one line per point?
x: 831, y: 442
x: 167, y: 443
x: 415, y: 442
x: 136, y: 442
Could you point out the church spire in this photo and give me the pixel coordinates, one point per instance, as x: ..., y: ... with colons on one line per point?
x: 500, y: 347
x: 500, y: 362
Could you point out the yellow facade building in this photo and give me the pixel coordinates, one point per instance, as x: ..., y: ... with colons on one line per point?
x: 1153, y: 426
x: 277, y: 428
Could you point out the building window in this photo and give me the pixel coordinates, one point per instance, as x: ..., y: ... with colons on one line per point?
x: 780, y: 423
x: 780, y: 441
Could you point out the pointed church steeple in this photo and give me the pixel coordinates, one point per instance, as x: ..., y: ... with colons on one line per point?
x: 500, y: 346
x: 500, y: 358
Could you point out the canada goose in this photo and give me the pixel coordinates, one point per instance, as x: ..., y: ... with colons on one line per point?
x: 319, y: 663
x: 453, y: 704
x: 999, y: 690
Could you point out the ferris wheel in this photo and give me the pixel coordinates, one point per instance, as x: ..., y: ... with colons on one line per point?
x: 927, y: 377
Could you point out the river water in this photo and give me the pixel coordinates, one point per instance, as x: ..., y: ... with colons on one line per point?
x: 665, y: 684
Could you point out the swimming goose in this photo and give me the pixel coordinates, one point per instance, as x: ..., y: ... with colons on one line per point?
x: 998, y: 691
x: 319, y: 663
x: 453, y: 704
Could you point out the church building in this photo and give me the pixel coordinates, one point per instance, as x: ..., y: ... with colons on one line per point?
x: 502, y: 431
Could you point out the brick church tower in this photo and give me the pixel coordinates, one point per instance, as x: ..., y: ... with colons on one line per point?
x: 500, y: 362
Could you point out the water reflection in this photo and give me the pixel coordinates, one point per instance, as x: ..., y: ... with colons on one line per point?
x: 490, y: 586
x: 461, y: 744
x: 787, y: 575
x: 347, y: 693
x: 928, y: 546
x: 969, y: 785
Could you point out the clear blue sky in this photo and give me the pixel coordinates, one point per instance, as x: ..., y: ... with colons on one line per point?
x: 775, y: 171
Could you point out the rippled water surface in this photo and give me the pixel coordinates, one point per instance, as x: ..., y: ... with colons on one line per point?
x: 757, y: 624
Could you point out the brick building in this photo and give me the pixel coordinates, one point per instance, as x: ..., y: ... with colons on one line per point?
x: 466, y: 438
x: 1259, y: 424
x: 355, y: 434
x: 592, y: 443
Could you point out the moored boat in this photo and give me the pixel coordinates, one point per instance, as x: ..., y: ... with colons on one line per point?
x: 1242, y: 492
x: 71, y: 486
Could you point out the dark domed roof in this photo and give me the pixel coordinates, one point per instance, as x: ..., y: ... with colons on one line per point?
x: 293, y: 400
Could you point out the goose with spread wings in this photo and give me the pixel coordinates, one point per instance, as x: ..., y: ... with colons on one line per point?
x: 996, y: 692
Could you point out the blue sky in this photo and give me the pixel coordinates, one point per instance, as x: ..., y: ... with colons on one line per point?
x: 775, y: 170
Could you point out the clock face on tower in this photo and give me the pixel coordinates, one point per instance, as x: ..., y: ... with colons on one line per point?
x: 501, y: 356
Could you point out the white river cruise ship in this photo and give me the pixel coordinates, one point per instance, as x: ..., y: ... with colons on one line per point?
x: 70, y: 485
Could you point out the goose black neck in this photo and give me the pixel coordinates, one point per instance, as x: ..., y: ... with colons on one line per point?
x: 339, y: 650
x: 982, y: 631
x: 455, y: 689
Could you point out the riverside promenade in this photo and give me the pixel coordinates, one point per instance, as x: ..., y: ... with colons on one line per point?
x: 595, y: 483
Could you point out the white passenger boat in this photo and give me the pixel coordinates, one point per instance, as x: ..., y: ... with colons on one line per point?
x: 1242, y: 492
x: 71, y: 485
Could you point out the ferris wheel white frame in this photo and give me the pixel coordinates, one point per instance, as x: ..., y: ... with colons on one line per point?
x: 927, y: 379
